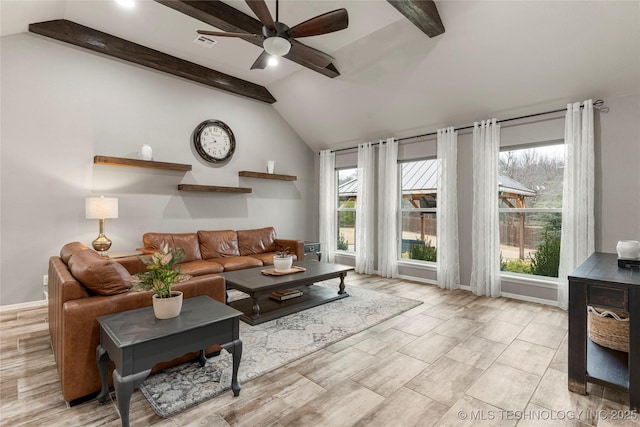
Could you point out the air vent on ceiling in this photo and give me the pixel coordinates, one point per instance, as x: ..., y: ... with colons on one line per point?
x: 204, y: 41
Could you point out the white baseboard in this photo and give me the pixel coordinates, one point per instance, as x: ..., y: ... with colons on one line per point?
x: 529, y: 299
x: 418, y: 279
x: 519, y: 297
x: 23, y: 305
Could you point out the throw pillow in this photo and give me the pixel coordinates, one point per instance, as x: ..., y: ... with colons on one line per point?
x: 69, y: 249
x: 100, y: 276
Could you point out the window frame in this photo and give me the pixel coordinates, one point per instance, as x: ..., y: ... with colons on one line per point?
x: 339, y: 209
x: 401, y: 211
x: 524, y: 278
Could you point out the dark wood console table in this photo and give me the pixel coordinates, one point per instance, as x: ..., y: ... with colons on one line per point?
x: 599, y: 282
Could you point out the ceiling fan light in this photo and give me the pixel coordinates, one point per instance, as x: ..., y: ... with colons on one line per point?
x: 272, y: 61
x: 276, y: 46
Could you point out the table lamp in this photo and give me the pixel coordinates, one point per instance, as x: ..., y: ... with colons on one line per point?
x: 101, y: 208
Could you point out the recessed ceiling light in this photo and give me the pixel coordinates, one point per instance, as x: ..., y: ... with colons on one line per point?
x: 126, y: 3
x: 272, y: 62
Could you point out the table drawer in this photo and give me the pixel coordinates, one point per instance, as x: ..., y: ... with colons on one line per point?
x: 608, y: 297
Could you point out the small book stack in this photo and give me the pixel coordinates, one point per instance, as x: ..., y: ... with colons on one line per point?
x: 285, y: 294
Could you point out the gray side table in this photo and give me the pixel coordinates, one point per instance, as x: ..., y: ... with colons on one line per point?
x: 136, y: 341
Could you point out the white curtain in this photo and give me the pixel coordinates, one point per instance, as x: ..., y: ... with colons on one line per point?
x: 577, y: 236
x: 447, y: 213
x: 485, y: 267
x: 328, y: 214
x: 365, y: 210
x: 388, y: 208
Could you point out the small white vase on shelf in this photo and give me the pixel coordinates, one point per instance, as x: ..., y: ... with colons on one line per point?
x: 270, y: 165
x: 146, y: 153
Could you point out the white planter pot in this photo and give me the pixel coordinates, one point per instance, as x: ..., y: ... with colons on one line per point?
x: 167, y: 308
x: 283, y: 264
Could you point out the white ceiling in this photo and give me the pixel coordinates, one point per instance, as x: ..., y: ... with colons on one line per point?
x: 496, y: 59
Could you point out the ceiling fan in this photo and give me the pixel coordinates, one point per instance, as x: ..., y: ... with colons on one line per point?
x: 278, y: 39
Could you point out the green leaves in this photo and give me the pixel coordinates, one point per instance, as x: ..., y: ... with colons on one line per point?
x: 161, y: 273
x: 283, y: 253
x: 423, y: 251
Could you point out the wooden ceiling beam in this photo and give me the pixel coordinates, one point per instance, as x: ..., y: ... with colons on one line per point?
x: 226, y: 18
x: 422, y: 13
x: 217, y: 14
x: 97, y: 41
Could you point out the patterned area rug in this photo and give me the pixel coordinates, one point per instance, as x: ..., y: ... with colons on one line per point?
x: 270, y: 345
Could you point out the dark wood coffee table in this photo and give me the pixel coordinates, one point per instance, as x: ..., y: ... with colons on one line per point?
x: 260, y: 308
x: 136, y: 341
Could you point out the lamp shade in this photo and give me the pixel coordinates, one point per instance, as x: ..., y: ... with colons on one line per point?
x: 101, y: 207
x: 276, y: 46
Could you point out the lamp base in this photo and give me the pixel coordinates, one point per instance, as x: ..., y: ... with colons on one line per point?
x: 101, y: 244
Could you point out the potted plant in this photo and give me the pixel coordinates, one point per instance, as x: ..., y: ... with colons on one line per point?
x: 161, y: 274
x: 283, y: 260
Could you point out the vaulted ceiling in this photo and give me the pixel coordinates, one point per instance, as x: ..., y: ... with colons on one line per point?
x: 495, y: 59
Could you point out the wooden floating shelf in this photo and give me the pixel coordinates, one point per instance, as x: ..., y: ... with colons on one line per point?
x: 212, y: 188
x: 149, y: 164
x: 249, y: 174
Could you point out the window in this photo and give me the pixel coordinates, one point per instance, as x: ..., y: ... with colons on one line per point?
x: 347, y: 197
x: 530, y: 195
x: 418, y: 210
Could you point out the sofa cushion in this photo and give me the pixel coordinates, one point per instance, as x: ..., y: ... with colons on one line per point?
x: 69, y: 249
x: 238, y: 262
x: 200, y: 268
x: 266, y: 258
x: 218, y: 244
x: 100, y: 276
x: 257, y: 241
x: 187, y: 241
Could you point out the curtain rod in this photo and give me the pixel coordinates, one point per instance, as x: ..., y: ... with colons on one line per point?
x: 598, y: 104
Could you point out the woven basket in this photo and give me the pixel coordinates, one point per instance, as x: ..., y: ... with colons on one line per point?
x: 608, y: 328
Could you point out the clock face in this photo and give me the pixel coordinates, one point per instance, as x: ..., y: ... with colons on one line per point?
x: 214, y: 141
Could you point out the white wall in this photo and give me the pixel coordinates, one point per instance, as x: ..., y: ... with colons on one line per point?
x: 618, y: 173
x: 61, y: 105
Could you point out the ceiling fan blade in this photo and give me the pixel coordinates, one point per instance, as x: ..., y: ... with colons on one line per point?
x: 261, y: 62
x: 329, y: 22
x: 260, y: 9
x: 245, y: 36
x: 309, y: 54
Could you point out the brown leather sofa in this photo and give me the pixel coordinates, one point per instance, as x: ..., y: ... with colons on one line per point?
x: 217, y: 251
x: 84, y: 286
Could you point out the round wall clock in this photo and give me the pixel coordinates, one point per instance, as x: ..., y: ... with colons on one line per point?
x: 214, y: 141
